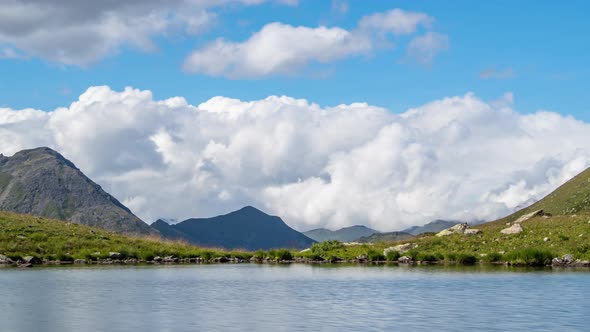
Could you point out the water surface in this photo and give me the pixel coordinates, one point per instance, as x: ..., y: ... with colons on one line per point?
x: 250, y: 297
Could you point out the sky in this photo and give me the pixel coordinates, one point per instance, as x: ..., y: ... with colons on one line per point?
x: 327, y: 113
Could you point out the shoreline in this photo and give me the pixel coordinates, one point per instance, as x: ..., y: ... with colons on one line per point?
x: 225, y: 260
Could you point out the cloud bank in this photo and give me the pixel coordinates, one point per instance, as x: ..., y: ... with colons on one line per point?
x: 458, y: 157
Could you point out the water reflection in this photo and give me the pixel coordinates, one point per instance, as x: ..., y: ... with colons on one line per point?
x: 293, y: 298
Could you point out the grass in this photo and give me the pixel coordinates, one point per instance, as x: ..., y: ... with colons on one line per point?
x: 25, y: 235
x: 567, y: 235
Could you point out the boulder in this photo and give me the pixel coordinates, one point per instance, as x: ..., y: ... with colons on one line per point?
x: 546, y: 239
x: 567, y: 259
x: 405, y: 260
x: 362, y: 258
x: 157, y: 259
x: 402, y: 248
x: 32, y: 260
x: 457, y: 229
x: 529, y: 216
x: 5, y: 260
x: 514, y: 229
x: 472, y: 231
x: 170, y: 259
x: 221, y: 259
x: 115, y: 255
x: 80, y: 261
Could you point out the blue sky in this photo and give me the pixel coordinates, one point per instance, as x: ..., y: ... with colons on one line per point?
x: 475, y: 74
x: 539, y: 51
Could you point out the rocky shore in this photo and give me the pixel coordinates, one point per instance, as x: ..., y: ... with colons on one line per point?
x: 567, y: 261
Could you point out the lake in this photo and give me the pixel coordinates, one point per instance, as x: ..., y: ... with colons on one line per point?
x: 250, y: 297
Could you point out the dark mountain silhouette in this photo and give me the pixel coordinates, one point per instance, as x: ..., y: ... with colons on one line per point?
x: 247, y: 228
x: 347, y: 234
x: 42, y: 182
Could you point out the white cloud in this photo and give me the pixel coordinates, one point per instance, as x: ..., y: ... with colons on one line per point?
x: 282, y: 49
x: 277, y: 48
x: 84, y: 31
x: 492, y: 73
x: 396, y: 21
x: 457, y: 158
x: 423, y: 49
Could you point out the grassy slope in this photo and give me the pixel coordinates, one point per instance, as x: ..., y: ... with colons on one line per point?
x: 23, y: 235
x: 568, y: 230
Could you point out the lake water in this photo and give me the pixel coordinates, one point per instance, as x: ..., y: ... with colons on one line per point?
x: 250, y: 297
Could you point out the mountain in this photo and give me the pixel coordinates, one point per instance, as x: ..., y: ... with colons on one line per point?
x: 385, y: 237
x: 432, y: 227
x: 42, y: 182
x: 347, y: 234
x: 247, y: 228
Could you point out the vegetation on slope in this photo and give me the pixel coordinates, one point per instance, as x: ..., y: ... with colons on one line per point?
x: 565, y: 229
x: 25, y: 235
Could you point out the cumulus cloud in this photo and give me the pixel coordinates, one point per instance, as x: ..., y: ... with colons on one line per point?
x: 84, y: 31
x: 457, y: 157
x: 279, y: 49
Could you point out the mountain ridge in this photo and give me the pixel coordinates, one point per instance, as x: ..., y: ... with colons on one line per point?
x: 42, y: 182
x: 246, y: 228
x: 346, y: 234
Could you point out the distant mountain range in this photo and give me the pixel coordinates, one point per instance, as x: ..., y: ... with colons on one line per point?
x: 348, y: 234
x: 247, y: 228
x: 42, y: 182
x: 432, y: 227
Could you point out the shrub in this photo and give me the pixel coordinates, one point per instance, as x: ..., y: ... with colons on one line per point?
x: 64, y: 258
x: 466, y: 259
x: 322, y: 248
x: 375, y: 256
x: 426, y: 257
x: 284, y: 255
x: 493, y: 257
x: 207, y: 255
x: 146, y: 255
x: 392, y: 256
x: 450, y: 257
x: 581, y: 250
x: 531, y: 257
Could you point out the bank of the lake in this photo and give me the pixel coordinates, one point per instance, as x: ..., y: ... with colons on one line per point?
x: 563, y: 241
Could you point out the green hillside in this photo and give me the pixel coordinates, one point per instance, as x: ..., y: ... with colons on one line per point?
x: 573, y: 197
x: 564, y: 229
x: 26, y: 235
